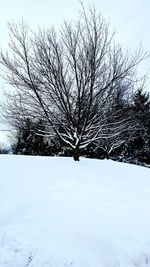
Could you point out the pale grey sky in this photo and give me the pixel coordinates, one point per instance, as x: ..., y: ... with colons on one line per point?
x: 129, y: 18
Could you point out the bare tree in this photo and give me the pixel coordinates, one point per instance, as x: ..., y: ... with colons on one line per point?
x: 69, y: 79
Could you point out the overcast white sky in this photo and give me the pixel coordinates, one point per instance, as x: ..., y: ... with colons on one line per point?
x: 129, y: 18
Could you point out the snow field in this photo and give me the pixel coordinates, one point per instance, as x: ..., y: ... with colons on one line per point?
x: 55, y: 212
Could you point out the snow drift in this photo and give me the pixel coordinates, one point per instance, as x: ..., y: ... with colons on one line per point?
x: 55, y: 212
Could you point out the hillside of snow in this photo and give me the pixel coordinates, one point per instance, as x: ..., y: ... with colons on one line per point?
x: 55, y: 212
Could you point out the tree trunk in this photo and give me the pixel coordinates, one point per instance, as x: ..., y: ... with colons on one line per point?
x: 76, y: 154
x: 107, y: 155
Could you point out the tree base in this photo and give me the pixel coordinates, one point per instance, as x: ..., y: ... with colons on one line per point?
x: 76, y: 158
x: 76, y: 155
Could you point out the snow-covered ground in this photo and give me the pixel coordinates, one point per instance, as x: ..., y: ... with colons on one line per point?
x: 55, y: 212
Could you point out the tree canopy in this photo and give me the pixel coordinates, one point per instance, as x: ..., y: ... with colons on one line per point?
x: 71, y: 80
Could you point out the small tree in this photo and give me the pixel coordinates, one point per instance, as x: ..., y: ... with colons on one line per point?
x: 69, y: 79
x: 29, y: 141
x: 139, y: 147
x: 4, y: 148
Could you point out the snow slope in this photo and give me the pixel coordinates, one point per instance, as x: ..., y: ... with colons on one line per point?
x: 55, y: 212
